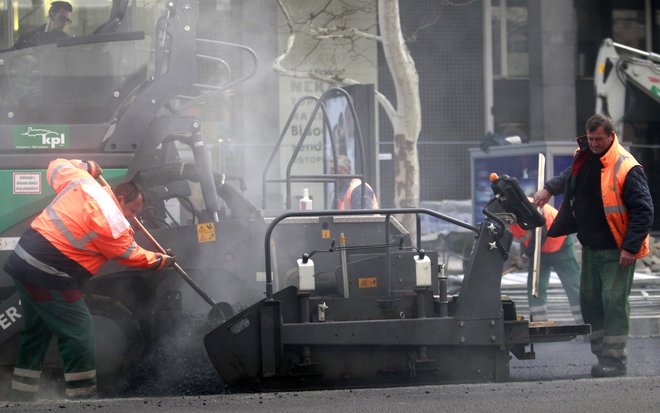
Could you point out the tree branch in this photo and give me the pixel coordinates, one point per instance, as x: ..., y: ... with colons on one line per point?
x: 350, y: 33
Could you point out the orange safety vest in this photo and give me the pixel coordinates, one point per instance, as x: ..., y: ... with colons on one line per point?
x: 86, y: 223
x: 617, y: 162
x: 551, y: 244
x: 345, y: 200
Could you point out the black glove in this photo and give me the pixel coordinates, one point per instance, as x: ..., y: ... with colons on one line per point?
x: 169, y: 260
x: 94, y: 169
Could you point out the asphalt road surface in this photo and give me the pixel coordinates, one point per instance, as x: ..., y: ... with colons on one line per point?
x: 557, y: 381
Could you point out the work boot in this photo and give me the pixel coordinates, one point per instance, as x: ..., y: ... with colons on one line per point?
x: 90, y: 396
x: 608, y: 367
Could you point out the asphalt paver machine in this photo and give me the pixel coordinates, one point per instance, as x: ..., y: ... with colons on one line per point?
x: 353, y: 301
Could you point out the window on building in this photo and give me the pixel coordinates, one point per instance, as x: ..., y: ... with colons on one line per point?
x: 628, y: 27
x: 510, y: 38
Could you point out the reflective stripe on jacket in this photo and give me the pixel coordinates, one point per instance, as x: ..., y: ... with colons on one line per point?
x: 617, y: 162
x: 550, y: 244
x: 85, y: 221
x: 345, y: 200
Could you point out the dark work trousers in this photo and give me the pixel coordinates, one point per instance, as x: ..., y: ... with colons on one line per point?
x: 564, y: 263
x: 604, y: 298
x: 49, y: 313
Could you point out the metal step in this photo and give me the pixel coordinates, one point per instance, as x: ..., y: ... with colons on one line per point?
x: 644, y: 302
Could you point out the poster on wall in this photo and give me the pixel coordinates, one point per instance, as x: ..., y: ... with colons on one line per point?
x: 340, y: 141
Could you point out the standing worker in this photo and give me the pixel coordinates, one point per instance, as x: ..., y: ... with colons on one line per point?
x: 557, y: 253
x: 608, y: 203
x: 59, y: 15
x: 351, y: 189
x: 82, y: 228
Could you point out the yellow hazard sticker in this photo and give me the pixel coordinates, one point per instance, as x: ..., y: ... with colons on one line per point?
x: 325, y: 233
x: 206, y: 232
x: 368, y: 282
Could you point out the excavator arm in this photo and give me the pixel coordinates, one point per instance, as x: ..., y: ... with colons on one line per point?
x: 619, y: 67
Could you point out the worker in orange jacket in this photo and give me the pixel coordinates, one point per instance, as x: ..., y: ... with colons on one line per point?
x: 557, y: 253
x: 608, y: 204
x: 85, y: 226
x: 350, y: 194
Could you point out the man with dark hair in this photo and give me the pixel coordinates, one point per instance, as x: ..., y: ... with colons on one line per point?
x: 127, y: 193
x: 59, y: 15
x: 608, y: 203
x: 85, y: 226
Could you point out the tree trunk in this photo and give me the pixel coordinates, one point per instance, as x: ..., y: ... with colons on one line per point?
x: 407, y: 119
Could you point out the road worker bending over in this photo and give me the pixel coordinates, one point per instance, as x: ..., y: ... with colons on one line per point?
x: 85, y: 226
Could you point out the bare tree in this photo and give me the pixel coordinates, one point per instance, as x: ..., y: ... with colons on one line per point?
x: 328, y: 24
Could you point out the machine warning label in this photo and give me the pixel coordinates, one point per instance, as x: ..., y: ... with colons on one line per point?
x: 27, y: 183
x: 41, y: 136
x: 368, y: 282
x: 8, y: 243
x: 206, y: 232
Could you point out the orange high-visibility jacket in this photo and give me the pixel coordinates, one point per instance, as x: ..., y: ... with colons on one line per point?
x: 86, y: 223
x: 345, y: 200
x: 617, y: 162
x: 551, y: 244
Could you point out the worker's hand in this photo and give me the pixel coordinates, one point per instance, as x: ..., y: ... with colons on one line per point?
x: 541, y: 197
x: 94, y: 169
x: 169, y: 261
x: 626, y: 258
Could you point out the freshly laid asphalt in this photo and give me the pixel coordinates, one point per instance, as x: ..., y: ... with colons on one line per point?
x: 632, y: 394
x: 557, y: 381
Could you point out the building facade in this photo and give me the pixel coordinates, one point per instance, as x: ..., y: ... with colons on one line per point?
x: 510, y: 67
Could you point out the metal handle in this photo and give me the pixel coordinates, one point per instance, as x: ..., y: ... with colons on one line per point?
x: 536, y: 262
x: 160, y: 249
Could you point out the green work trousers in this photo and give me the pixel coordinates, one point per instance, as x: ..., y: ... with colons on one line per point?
x: 604, y: 298
x: 71, y: 324
x: 564, y: 263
